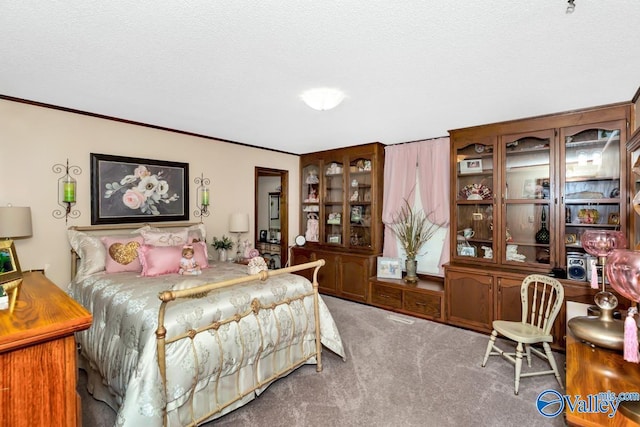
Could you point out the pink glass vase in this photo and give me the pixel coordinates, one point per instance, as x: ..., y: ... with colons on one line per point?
x: 600, y: 243
x: 623, y: 271
x: 602, y: 330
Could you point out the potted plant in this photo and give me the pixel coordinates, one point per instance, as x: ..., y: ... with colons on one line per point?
x: 412, y: 230
x: 222, y: 245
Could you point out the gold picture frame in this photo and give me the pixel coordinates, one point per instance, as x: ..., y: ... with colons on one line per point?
x: 10, y: 273
x: 9, y: 264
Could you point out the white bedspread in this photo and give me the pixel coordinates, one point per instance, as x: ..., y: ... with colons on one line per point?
x: 121, y: 343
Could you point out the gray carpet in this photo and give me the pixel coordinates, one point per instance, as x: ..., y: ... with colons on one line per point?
x: 422, y: 374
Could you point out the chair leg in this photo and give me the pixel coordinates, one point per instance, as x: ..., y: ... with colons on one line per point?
x: 518, y: 366
x: 527, y: 349
x: 490, y: 344
x: 552, y: 362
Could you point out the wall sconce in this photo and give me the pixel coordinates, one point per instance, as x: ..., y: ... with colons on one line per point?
x: 571, y: 6
x: 323, y: 98
x: 67, y: 187
x: 202, y: 196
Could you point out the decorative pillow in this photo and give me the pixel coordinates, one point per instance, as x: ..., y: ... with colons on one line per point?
x: 122, y: 253
x: 165, y: 238
x: 197, y: 233
x: 159, y: 260
x: 91, y: 252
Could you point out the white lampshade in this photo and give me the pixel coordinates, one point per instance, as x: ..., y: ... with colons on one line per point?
x: 239, y: 223
x: 323, y: 98
x: 15, y: 221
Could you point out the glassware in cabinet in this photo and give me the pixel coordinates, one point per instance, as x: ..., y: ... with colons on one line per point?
x: 332, y: 201
x: 360, y: 208
x: 592, y: 182
x: 474, y: 200
x: 526, y: 202
x: 311, y: 202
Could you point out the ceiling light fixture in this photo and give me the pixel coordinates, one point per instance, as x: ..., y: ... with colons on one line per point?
x: 323, y: 98
x: 571, y: 7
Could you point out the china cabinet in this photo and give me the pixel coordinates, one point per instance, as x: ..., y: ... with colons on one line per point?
x: 633, y: 146
x: 522, y: 194
x: 341, y: 209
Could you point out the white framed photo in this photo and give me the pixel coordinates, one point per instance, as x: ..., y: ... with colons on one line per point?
x: 334, y: 238
x: 470, y: 166
x: 467, y: 251
x: 389, y: 268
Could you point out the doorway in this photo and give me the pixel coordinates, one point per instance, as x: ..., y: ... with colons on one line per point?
x: 272, y: 215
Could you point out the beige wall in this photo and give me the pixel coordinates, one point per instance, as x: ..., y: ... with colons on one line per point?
x: 33, y: 139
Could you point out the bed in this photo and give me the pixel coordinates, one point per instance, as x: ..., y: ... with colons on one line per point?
x: 176, y: 350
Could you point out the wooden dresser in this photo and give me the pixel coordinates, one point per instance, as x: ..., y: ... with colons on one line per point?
x: 594, y: 370
x: 38, y: 372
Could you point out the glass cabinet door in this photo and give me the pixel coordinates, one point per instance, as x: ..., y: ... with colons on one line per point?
x: 311, y: 202
x: 475, y: 200
x: 332, y: 203
x: 635, y: 200
x: 360, y: 194
x: 592, y: 184
x: 527, y: 206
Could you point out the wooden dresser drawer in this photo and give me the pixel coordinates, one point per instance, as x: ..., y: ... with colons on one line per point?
x: 386, y: 296
x: 421, y: 303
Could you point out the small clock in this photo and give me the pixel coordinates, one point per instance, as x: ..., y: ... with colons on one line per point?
x: 479, y: 148
x: 300, y: 240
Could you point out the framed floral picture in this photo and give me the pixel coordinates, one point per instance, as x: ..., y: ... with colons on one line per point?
x: 128, y: 189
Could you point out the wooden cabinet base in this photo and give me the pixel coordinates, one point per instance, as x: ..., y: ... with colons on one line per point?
x: 344, y: 274
x: 424, y: 299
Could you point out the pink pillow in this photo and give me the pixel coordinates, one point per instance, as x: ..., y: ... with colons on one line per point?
x: 122, y: 253
x: 159, y: 260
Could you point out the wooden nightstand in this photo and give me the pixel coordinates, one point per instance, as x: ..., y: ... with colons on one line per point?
x: 38, y: 372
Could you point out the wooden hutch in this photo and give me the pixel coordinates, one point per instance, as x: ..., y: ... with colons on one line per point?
x: 528, y: 189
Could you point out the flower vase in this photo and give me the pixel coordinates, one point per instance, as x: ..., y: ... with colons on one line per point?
x: 411, y: 265
x: 222, y: 255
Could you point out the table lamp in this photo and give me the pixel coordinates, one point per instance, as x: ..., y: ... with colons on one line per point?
x: 239, y: 223
x: 602, y: 330
x: 623, y: 270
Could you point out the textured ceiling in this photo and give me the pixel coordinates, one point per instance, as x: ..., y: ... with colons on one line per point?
x: 234, y: 69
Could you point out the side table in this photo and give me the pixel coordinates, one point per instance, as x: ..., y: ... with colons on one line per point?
x: 38, y: 371
x: 597, y: 370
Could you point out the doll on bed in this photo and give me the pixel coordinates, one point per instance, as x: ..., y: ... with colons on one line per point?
x: 188, y: 265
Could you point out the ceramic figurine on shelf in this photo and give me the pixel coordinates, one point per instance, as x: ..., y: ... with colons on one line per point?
x: 312, y: 233
x: 312, y: 177
x: 247, y: 249
x: 188, y: 265
x: 313, y: 195
x: 488, y: 252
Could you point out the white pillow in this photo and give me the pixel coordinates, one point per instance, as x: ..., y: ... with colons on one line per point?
x: 165, y: 238
x: 91, y: 252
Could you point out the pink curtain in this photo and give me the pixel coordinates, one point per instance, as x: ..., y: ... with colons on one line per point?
x: 399, y: 184
x: 433, y: 175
